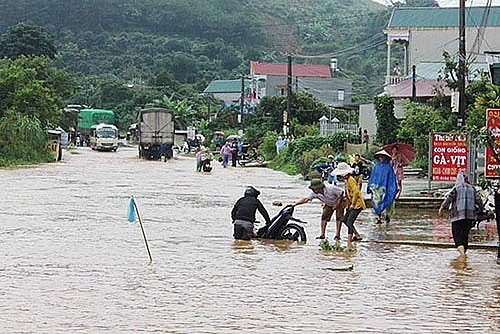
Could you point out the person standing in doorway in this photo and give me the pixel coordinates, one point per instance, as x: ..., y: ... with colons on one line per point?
x: 397, y: 70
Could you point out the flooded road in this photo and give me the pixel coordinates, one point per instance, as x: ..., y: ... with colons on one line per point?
x: 72, y: 263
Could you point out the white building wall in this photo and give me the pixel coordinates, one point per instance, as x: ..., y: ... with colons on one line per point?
x: 368, y: 120
x: 429, y: 44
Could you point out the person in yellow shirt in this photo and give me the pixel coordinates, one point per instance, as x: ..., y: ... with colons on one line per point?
x: 355, y: 201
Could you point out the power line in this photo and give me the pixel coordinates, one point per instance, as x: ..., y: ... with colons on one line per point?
x: 359, y: 48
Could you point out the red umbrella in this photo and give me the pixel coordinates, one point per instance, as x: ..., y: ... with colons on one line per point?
x: 405, y: 151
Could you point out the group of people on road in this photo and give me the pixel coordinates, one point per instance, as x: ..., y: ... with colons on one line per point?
x: 384, y: 186
x: 230, y: 150
x: 347, y: 203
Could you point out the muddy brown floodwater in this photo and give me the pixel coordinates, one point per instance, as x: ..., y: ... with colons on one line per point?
x: 72, y: 263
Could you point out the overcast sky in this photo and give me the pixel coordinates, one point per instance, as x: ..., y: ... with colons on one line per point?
x: 454, y: 3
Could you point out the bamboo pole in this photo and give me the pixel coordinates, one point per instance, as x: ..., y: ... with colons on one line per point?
x: 143, y: 233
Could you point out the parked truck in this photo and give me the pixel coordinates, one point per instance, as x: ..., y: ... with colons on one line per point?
x: 156, y: 133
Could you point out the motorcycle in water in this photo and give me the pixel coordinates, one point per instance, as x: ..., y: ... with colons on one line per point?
x: 324, y: 170
x: 366, y: 171
x: 184, y: 148
x: 284, y: 227
x: 206, y: 166
x: 251, y: 156
x: 206, y: 160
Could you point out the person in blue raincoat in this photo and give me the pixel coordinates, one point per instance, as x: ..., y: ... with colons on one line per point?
x: 383, y: 186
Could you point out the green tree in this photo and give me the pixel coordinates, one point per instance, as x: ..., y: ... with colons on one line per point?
x: 28, y: 85
x: 387, y: 124
x: 22, y: 139
x: 31, y: 98
x: 185, y: 115
x: 26, y: 39
x: 305, y: 110
x: 419, y: 121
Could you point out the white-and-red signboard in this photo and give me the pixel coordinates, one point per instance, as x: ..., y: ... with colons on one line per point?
x: 449, y: 155
x: 491, y: 166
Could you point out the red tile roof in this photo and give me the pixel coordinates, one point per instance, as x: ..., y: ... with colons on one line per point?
x: 299, y: 70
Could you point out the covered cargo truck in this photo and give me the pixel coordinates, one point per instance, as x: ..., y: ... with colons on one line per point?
x: 156, y: 133
x: 90, y: 117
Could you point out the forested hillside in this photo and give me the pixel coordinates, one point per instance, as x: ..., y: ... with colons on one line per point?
x: 188, y: 43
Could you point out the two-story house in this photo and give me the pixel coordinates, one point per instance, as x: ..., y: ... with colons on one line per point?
x: 268, y: 79
x: 421, y: 36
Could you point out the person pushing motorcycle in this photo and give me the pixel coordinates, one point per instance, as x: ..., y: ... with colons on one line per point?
x: 243, y: 214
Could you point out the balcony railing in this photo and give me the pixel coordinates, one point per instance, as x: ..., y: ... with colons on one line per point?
x: 394, y: 79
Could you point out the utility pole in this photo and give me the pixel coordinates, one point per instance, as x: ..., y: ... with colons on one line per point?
x: 461, y: 66
x: 287, y: 118
x: 242, y: 100
x: 208, y: 109
x: 414, y: 83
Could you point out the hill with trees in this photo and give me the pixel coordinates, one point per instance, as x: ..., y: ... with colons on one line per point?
x: 172, y: 49
x: 191, y: 42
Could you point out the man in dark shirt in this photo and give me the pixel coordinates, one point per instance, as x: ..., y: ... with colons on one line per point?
x: 243, y: 214
x: 234, y: 152
x: 244, y: 148
x: 358, y: 166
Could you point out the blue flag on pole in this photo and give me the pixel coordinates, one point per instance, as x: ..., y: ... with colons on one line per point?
x: 131, y: 210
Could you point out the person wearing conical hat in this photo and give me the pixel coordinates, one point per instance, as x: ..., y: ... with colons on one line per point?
x: 332, y: 198
x: 382, y: 186
x: 355, y: 201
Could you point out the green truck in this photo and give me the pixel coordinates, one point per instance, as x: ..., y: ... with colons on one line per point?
x: 89, y: 117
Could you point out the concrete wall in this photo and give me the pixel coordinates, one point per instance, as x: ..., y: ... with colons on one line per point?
x: 368, y: 120
x: 324, y: 89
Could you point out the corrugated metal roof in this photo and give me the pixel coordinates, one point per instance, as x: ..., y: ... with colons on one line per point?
x: 298, y: 70
x: 425, y: 88
x: 441, y: 17
x: 431, y: 70
x: 224, y: 86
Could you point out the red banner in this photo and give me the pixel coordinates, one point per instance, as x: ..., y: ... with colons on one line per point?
x: 491, y: 165
x: 449, y: 155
